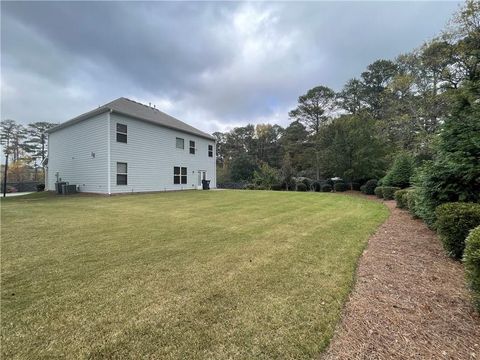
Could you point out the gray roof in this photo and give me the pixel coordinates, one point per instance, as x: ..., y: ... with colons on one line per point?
x: 138, y: 111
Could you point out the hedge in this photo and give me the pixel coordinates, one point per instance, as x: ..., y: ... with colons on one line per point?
x: 277, y: 187
x: 326, y: 188
x: 389, y: 191
x: 301, y: 187
x: 401, y: 198
x: 454, y: 221
x: 355, y: 186
x: 471, y: 259
x: 340, y: 186
x: 370, y: 186
x: 379, y: 191
x: 316, y: 186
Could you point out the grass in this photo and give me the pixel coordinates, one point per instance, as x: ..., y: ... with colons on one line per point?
x: 226, y: 274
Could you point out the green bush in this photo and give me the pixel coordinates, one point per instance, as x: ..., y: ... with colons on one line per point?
x: 411, y: 201
x: 261, y: 187
x: 40, y: 187
x: 400, y: 173
x: 277, y: 187
x: 307, y: 182
x: 301, y: 187
x: 454, y: 221
x: 363, y: 189
x: 379, y: 191
x: 389, y: 192
x: 265, y: 176
x: 370, y: 186
x: 326, y: 188
x: 340, y: 186
x: 316, y: 186
x: 250, y: 187
x: 471, y: 259
x: 401, y: 198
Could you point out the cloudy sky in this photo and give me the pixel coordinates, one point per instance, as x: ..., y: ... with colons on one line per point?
x: 214, y: 65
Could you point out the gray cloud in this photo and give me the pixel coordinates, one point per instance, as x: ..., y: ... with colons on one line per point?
x: 214, y: 65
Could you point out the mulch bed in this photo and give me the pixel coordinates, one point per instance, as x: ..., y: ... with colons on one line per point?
x: 409, y: 301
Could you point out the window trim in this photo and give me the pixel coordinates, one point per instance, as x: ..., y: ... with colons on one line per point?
x: 181, y: 176
x: 192, y: 149
x: 122, y: 133
x: 183, y: 143
x: 210, y: 150
x: 122, y: 174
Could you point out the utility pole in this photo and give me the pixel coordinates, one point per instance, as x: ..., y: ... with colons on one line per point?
x: 6, y: 169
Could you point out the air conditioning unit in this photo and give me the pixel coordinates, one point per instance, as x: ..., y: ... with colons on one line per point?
x: 68, y: 189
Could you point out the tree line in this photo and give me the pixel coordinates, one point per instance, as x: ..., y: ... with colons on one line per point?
x: 24, y: 148
x: 393, y: 107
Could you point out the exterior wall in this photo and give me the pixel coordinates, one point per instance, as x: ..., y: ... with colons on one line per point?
x: 151, y: 155
x: 70, y: 153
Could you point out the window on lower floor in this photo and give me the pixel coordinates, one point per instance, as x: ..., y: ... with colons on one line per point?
x: 210, y: 150
x: 192, y: 147
x: 179, y: 175
x: 121, y: 173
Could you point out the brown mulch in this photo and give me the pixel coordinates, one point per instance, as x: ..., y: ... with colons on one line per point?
x: 409, y: 300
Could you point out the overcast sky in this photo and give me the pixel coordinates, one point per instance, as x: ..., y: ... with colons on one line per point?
x: 213, y: 65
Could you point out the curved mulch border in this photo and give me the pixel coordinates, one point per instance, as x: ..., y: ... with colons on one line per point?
x: 409, y: 300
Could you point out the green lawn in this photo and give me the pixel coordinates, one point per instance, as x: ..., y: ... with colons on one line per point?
x: 181, y: 275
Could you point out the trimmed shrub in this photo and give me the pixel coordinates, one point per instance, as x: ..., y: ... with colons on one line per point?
x: 340, y: 186
x: 411, y: 201
x: 316, y: 186
x: 471, y: 259
x: 363, y: 189
x: 277, y: 187
x: 379, y: 191
x: 370, y: 186
x: 454, y: 221
x: 401, y: 171
x: 307, y: 182
x: 401, y: 198
x: 249, y: 187
x: 355, y: 186
x: 389, y: 192
x: 301, y: 187
x: 40, y: 187
x: 326, y: 188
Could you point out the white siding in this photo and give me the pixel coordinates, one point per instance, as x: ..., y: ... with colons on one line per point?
x: 70, y: 154
x: 151, y: 154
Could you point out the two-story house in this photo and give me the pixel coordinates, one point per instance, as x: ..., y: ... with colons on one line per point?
x: 125, y: 146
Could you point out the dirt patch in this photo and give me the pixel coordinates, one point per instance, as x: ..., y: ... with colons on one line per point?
x: 409, y: 301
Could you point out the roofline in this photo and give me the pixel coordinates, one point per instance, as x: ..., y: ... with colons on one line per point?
x: 102, y: 110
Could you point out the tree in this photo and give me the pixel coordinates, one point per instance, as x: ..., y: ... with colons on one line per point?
x: 265, y: 176
x: 7, y: 133
x: 314, y: 108
x: 286, y: 172
x: 242, y: 168
x: 350, y: 98
x: 401, y: 171
x: 37, y: 141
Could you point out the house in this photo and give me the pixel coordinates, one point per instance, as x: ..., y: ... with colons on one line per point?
x: 124, y: 147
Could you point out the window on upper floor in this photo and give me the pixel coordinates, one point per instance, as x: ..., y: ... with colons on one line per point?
x: 179, y: 175
x: 121, y: 173
x: 210, y: 150
x: 121, y: 133
x: 192, y: 147
x: 180, y: 143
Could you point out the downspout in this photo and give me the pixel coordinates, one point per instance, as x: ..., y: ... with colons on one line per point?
x: 109, y: 165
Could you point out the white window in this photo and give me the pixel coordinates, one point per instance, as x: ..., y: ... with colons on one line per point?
x: 180, y: 143
x: 192, y: 147
x: 122, y: 133
x: 179, y: 175
x: 121, y: 173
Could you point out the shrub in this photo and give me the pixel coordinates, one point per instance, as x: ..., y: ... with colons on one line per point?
x: 249, y: 187
x: 326, y: 188
x: 307, y: 182
x: 265, y: 176
x: 411, y: 201
x: 261, y: 187
x: 301, y: 187
x: 401, y: 198
x: 340, y: 186
x: 400, y: 173
x: 355, y: 186
x: 471, y: 259
x: 277, y: 187
x: 389, y: 192
x: 40, y: 187
x: 363, y: 189
x: 454, y: 221
x: 379, y: 191
x: 370, y: 186
x: 316, y: 186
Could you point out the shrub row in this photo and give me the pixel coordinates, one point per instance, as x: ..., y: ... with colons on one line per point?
x: 369, y: 187
x: 471, y: 259
x: 454, y: 221
x: 401, y: 197
x: 386, y: 192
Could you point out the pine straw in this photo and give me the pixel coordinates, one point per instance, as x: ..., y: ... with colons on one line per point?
x: 409, y: 301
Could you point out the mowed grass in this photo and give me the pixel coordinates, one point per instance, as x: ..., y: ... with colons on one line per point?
x: 182, y: 275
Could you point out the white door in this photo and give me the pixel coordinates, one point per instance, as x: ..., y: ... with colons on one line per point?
x: 202, y: 175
